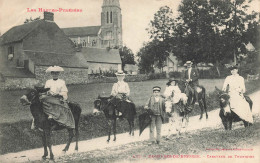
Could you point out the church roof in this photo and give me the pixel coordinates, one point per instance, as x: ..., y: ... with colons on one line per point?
x: 99, y: 55
x: 49, y: 59
x: 82, y: 31
x: 17, y: 33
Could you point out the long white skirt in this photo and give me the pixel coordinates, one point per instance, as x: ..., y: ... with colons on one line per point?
x: 240, y: 106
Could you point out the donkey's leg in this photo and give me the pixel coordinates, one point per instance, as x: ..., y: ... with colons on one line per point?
x: 133, y: 127
x: 109, y: 129
x: 49, y: 142
x: 114, y: 129
x: 130, y: 126
x: 77, y: 137
x: 204, y: 104
x: 44, y: 145
x: 201, y: 109
x: 71, y: 134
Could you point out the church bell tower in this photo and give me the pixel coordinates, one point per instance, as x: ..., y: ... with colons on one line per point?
x: 111, y: 24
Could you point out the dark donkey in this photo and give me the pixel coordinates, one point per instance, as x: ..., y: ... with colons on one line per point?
x: 226, y: 114
x: 42, y: 122
x: 183, y: 85
x: 128, y: 112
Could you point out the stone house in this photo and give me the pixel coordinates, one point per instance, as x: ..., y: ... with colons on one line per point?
x: 27, y: 50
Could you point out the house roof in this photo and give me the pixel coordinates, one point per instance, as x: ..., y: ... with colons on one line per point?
x: 99, y: 55
x: 82, y: 31
x: 15, y: 72
x: 49, y: 59
x: 17, y: 33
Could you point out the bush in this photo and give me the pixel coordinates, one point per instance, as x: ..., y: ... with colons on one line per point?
x: 175, y: 74
x: 156, y: 76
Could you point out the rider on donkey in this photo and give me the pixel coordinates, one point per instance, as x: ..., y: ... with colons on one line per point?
x: 236, y: 90
x: 191, y: 76
x: 120, y: 90
x: 55, y: 102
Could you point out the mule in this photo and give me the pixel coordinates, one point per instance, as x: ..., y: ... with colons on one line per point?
x: 178, y: 116
x: 184, y: 87
x: 109, y: 108
x: 226, y: 114
x: 45, y: 125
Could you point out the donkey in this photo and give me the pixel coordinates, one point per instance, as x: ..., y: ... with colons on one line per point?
x: 45, y: 125
x: 128, y: 112
x: 226, y: 114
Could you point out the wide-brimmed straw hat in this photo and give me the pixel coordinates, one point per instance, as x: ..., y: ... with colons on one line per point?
x: 233, y: 67
x: 54, y: 69
x: 120, y: 73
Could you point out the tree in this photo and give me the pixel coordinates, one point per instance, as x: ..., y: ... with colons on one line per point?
x: 127, y: 56
x: 160, y: 30
x: 31, y: 20
x: 146, y: 58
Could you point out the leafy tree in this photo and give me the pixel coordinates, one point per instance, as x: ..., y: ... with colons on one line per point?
x: 126, y: 55
x: 31, y: 20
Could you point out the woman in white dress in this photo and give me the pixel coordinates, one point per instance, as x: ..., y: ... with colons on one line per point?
x: 235, y: 86
x: 55, y: 103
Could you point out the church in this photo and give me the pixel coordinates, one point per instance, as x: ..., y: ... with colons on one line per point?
x: 100, y: 44
x: 109, y: 34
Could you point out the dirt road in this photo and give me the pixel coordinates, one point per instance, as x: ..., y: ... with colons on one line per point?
x: 125, y: 142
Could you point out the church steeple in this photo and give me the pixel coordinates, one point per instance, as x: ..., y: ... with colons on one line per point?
x: 111, y: 23
x: 111, y: 3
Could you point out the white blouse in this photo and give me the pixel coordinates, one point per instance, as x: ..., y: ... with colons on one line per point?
x: 120, y: 87
x: 57, y: 87
x: 236, y: 84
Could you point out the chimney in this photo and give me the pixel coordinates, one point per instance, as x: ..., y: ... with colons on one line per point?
x: 48, y: 16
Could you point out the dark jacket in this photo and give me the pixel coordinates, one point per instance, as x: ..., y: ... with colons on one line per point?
x: 194, y: 75
x: 150, y: 104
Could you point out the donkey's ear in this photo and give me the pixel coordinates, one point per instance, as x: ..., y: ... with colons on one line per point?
x: 218, y: 90
x: 98, y: 96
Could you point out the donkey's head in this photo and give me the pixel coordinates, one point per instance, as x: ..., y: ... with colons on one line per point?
x: 32, y: 95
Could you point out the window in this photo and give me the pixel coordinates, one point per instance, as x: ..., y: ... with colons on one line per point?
x: 111, y: 17
x: 107, y: 17
x: 84, y: 43
x: 10, y: 53
x: 93, y: 43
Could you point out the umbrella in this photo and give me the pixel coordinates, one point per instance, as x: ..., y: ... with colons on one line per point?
x: 144, y: 120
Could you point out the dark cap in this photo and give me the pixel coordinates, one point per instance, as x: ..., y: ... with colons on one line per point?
x: 156, y: 88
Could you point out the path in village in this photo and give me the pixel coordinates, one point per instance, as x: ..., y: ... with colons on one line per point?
x: 100, y: 143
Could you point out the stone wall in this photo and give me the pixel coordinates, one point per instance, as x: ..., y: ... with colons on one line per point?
x: 70, y: 75
x: 11, y: 83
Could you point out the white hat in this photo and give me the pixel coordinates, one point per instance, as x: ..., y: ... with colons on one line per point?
x: 188, y: 63
x: 54, y: 69
x: 120, y: 73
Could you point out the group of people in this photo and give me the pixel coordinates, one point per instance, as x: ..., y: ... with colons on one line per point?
x: 58, y: 110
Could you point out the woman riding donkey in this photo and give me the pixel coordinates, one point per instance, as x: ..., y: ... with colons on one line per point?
x: 235, y: 86
x: 174, y: 104
x: 55, y: 101
x: 120, y: 91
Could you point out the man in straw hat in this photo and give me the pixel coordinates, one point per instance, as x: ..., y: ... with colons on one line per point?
x: 192, y: 77
x: 120, y: 90
x: 235, y: 85
x: 55, y: 102
x: 157, y: 105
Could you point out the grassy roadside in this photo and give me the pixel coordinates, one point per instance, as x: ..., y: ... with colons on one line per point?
x: 199, y: 144
x: 17, y: 136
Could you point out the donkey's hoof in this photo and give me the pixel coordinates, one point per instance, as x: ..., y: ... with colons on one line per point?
x: 76, y: 151
x: 63, y: 152
x: 107, y: 141
x: 43, y: 157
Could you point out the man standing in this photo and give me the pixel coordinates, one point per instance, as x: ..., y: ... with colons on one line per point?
x: 157, y: 105
x: 192, y: 77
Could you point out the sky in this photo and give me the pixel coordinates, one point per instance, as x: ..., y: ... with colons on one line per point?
x: 136, y: 15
